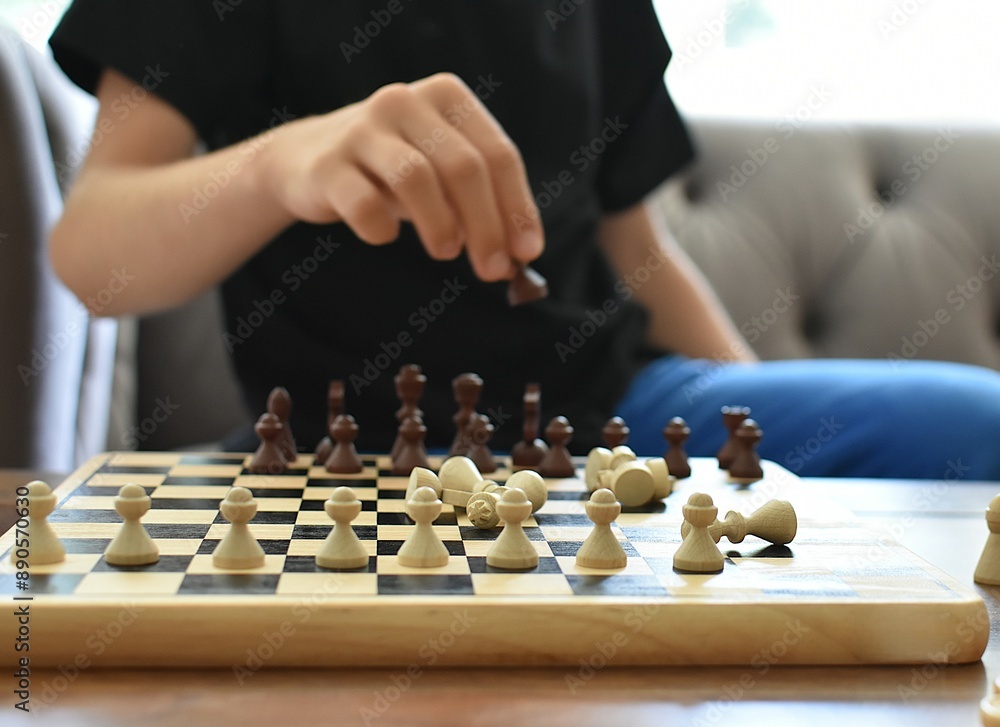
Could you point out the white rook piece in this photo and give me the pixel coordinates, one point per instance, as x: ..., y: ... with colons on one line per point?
x: 132, y: 545
x: 342, y: 548
x: 238, y: 549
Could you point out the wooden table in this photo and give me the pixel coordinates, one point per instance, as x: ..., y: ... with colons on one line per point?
x: 942, y: 522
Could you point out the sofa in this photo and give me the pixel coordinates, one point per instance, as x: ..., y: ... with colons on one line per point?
x: 822, y: 241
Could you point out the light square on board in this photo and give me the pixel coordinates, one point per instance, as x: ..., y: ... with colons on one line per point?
x: 269, y: 482
x: 520, y: 584
x: 480, y: 548
x: 389, y: 565
x: 322, y: 587
x: 319, y: 517
x: 206, y: 470
x: 74, y: 563
x: 311, y: 546
x: 130, y: 583
x: 402, y: 532
x: 261, y: 532
x: 202, y: 565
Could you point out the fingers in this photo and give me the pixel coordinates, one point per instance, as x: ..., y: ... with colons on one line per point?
x: 363, y: 206
x: 512, y: 193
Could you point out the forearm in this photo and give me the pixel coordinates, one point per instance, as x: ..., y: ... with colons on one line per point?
x: 164, y: 233
x: 685, y: 314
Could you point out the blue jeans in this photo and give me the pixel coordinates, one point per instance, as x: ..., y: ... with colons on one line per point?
x: 835, y: 418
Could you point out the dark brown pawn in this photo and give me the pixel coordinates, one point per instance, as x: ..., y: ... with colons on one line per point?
x: 746, y: 463
x: 412, y: 453
x: 615, y: 432
x: 268, y: 459
x: 279, y: 403
x: 344, y: 460
x: 557, y: 461
x: 732, y: 417
x: 467, y: 388
x: 530, y: 450
x: 676, y: 433
x: 526, y: 286
x: 409, y: 388
x: 334, y: 408
x: 480, y: 434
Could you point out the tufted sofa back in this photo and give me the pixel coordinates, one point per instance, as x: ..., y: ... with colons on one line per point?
x: 863, y: 241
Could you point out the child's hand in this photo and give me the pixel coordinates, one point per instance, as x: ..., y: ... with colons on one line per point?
x: 397, y: 156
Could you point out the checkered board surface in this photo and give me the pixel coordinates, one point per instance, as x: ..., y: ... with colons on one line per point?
x: 845, y: 595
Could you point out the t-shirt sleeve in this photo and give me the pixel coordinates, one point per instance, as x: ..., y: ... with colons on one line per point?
x: 201, y: 57
x: 653, y: 142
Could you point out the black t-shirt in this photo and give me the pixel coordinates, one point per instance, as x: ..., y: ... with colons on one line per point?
x: 579, y: 88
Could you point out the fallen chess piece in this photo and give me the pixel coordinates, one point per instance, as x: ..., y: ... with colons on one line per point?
x: 462, y: 485
x: 633, y: 483
x: 989, y: 706
x: 774, y: 521
x: 132, y: 545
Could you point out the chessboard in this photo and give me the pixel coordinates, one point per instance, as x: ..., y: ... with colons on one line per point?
x: 838, y: 594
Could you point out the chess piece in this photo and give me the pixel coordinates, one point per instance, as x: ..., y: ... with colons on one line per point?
x: 598, y: 460
x: 411, y: 452
x: 557, y: 462
x: 989, y: 706
x: 268, y: 459
x: 526, y: 286
x: 698, y: 553
x: 459, y: 473
x: 615, y: 432
x: 334, y: 408
x: 344, y: 458
x: 663, y: 483
x: 279, y: 403
x: 423, y: 549
x: 409, y: 388
x: 132, y: 545
x: 620, y: 455
x: 342, y: 548
x: 481, y: 507
x: 988, y: 568
x: 774, y: 521
x: 238, y: 548
x: 533, y: 486
x: 601, y: 549
x: 745, y: 467
x: 422, y: 477
x: 43, y: 546
x: 512, y: 550
x: 631, y: 482
x: 468, y: 388
x: 732, y: 417
x: 676, y: 433
x: 480, y: 431
x: 530, y: 450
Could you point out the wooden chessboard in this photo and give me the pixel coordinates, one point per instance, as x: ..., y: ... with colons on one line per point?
x: 838, y: 594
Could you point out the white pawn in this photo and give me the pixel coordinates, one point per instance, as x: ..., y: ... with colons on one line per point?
x: 698, y: 552
x: 132, y: 545
x: 512, y: 549
x: 601, y: 549
x: 43, y: 543
x: 988, y: 568
x: 238, y: 549
x: 423, y: 549
x: 342, y: 547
